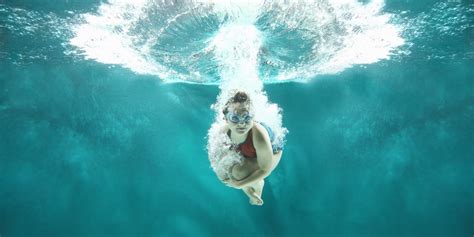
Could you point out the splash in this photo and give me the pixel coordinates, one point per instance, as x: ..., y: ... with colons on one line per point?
x: 449, y: 21
x: 177, y: 41
x: 107, y: 38
x: 325, y: 37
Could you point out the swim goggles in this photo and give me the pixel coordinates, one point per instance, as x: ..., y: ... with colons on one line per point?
x: 234, y: 118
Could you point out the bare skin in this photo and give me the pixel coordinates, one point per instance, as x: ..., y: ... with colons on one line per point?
x: 252, y: 190
x: 249, y: 176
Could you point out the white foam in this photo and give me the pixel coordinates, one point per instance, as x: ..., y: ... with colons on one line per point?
x: 219, y: 154
x: 348, y: 33
x: 107, y: 38
x: 340, y: 34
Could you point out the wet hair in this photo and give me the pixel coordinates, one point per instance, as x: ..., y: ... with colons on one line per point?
x: 239, y: 97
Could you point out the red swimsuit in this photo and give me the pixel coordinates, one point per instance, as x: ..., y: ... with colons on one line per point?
x: 246, y: 148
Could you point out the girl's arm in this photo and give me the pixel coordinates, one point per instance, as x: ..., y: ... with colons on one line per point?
x: 262, y: 145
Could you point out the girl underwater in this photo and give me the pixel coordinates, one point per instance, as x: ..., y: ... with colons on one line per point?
x: 248, y: 152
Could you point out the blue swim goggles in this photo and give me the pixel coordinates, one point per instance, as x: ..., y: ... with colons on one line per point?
x: 234, y: 118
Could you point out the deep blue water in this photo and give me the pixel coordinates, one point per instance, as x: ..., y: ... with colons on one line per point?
x: 88, y: 149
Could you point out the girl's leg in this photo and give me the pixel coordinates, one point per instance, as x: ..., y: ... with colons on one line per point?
x: 258, y: 187
x: 254, y: 192
x: 254, y: 199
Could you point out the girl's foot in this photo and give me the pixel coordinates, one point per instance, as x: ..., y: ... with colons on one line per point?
x: 254, y: 199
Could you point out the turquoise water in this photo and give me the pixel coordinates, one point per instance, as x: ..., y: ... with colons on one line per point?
x: 94, y: 148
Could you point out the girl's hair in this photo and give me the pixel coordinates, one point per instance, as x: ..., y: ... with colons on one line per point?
x: 239, y: 97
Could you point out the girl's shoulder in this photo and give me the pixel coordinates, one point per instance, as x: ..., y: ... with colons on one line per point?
x: 259, y: 132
